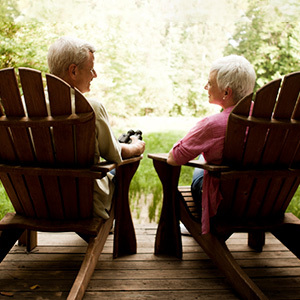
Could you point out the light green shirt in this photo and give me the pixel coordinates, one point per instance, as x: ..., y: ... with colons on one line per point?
x: 108, y: 148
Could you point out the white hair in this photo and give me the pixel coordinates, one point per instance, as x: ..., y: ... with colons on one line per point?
x: 235, y: 72
x: 66, y: 51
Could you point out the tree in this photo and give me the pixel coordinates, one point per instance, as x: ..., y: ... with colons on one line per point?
x: 22, y: 43
x: 268, y: 35
x: 8, y: 29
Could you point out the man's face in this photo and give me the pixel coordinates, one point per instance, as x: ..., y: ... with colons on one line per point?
x: 85, y: 74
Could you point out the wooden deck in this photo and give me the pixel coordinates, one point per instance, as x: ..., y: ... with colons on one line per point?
x: 47, y: 273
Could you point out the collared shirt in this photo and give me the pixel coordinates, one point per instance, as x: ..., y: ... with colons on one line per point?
x: 207, y: 138
x: 106, y: 147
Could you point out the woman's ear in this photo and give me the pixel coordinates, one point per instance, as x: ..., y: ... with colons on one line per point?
x: 228, y: 92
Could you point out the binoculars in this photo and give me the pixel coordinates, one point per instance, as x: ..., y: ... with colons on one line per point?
x: 125, y: 137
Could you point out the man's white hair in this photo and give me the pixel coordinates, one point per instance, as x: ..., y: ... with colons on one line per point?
x: 66, y: 51
x: 235, y: 72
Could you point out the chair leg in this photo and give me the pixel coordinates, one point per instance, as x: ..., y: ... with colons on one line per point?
x: 88, y: 265
x: 8, y: 238
x: 28, y: 239
x: 289, y: 232
x: 256, y: 240
x: 219, y: 253
x: 124, y: 233
x: 168, y: 237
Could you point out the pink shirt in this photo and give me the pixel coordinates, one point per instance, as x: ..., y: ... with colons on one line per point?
x: 206, y: 138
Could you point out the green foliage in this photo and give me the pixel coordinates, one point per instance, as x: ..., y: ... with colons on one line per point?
x: 154, y: 56
x: 22, y: 44
x: 5, y: 204
x: 269, y: 38
x: 294, y: 205
x: 146, y: 182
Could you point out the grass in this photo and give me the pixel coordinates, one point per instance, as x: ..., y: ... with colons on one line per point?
x: 5, y: 204
x: 294, y: 205
x: 146, y: 189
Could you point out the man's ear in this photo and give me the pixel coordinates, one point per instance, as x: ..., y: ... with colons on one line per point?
x: 72, y: 70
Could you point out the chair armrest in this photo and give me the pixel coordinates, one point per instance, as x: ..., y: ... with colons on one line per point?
x: 209, y: 167
x: 130, y: 160
x: 103, y: 166
x: 106, y: 166
x: 192, y: 163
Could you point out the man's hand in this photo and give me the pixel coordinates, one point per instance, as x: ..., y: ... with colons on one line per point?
x: 140, y: 145
x: 135, y: 148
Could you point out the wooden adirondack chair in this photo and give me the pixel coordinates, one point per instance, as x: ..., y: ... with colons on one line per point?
x: 46, y: 167
x: 258, y: 178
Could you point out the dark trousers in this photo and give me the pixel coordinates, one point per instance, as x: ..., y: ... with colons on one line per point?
x: 196, y: 188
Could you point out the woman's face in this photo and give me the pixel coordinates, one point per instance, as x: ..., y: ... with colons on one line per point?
x: 215, y: 95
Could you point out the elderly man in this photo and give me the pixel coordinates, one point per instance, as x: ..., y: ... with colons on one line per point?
x: 72, y: 60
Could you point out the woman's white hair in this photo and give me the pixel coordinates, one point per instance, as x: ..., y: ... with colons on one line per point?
x: 235, y: 72
x: 66, y: 51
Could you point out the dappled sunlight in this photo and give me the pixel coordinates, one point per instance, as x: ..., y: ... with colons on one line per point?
x: 153, y: 57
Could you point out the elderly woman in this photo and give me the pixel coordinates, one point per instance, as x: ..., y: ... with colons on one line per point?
x: 230, y: 79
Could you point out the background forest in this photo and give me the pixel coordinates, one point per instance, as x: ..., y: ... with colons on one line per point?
x: 153, y: 57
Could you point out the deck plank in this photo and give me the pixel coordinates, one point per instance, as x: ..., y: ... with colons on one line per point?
x: 48, y: 272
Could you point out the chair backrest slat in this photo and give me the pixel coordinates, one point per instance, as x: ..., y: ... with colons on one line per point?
x: 11, y: 192
x: 36, y: 132
x: 60, y: 104
x: 53, y: 196
x: 235, y: 135
x: 33, y: 89
x: 36, y: 193
x: 265, y: 100
x: 34, y: 96
x: 264, y: 139
x: 22, y: 194
x: 13, y: 107
x: 10, y: 94
x: 288, y: 96
x: 84, y: 142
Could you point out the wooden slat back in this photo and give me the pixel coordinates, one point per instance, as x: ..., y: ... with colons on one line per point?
x: 253, y: 196
x: 266, y: 138
x: 60, y: 104
x: 85, y: 145
x: 33, y: 89
x: 288, y: 96
x: 13, y: 107
x: 35, y: 133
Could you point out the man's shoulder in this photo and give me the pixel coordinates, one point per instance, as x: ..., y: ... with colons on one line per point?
x: 95, y: 103
x: 97, y: 106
